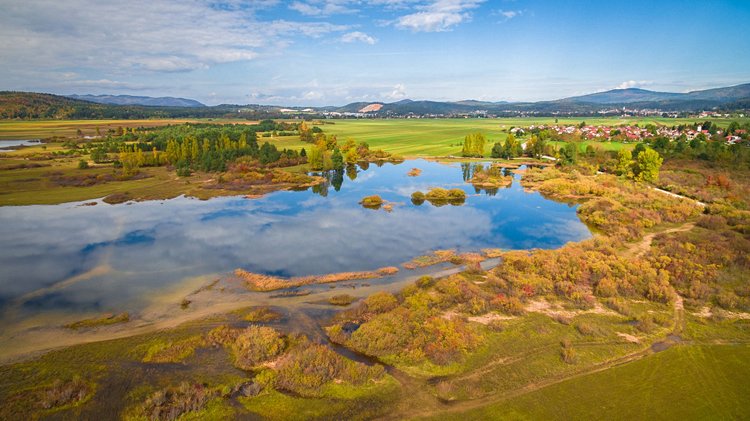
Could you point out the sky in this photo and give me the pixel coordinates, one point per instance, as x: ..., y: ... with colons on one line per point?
x: 333, y: 52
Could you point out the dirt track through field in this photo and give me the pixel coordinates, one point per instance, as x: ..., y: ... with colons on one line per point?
x: 640, y: 248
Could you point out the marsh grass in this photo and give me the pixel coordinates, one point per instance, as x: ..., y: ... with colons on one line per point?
x: 260, y: 282
x: 105, y: 320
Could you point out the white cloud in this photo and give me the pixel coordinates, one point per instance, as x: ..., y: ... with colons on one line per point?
x: 509, y: 14
x: 157, y: 36
x: 398, y: 92
x: 312, y: 95
x: 321, y: 8
x: 357, y: 36
x: 633, y: 84
x: 438, y: 16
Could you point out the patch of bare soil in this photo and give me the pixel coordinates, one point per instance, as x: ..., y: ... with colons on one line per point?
x: 555, y: 310
x: 629, y: 338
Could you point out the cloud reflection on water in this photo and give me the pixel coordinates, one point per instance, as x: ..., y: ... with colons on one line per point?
x: 152, y: 245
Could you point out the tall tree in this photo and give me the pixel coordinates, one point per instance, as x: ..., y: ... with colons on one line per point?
x: 647, y: 165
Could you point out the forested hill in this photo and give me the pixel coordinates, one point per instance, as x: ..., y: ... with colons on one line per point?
x: 165, y: 101
x: 30, y: 105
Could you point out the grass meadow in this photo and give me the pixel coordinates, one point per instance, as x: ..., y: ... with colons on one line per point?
x: 688, y: 382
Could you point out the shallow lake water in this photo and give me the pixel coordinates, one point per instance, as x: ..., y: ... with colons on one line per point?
x: 8, y: 145
x: 111, y: 258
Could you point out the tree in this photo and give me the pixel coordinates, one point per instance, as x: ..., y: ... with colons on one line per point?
x: 331, y: 142
x: 316, y: 157
x: 473, y: 145
x: 337, y: 160
x: 351, y: 157
x: 497, y: 150
x: 305, y: 134
x: 536, y: 147
x: 569, y: 154
x: 647, y: 165
x: 638, y: 149
x: 512, y: 147
x: 268, y: 154
x: 624, y: 166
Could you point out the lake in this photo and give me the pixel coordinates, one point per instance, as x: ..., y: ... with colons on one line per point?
x: 7, y: 145
x: 73, y: 260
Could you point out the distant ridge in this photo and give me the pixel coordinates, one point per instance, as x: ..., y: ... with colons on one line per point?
x: 634, y: 95
x: 147, y: 101
x: 31, y: 105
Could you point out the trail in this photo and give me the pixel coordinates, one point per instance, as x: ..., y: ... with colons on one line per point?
x: 638, y: 249
x: 679, y: 196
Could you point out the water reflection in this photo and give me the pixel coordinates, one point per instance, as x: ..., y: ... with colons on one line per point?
x: 111, y: 258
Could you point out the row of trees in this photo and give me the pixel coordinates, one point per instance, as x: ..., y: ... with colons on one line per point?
x: 473, y: 145
x: 510, y: 149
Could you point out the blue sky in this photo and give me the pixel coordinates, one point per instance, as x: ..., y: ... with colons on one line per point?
x: 332, y: 52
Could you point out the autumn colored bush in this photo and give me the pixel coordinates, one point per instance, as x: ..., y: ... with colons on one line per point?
x: 173, y: 402
x: 306, y: 369
x: 255, y: 345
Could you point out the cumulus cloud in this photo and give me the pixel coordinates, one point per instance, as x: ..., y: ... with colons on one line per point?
x: 158, y: 36
x: 358, y: 36
x: 633, y: 84
x: 438, y: 16
x: 398, y: 92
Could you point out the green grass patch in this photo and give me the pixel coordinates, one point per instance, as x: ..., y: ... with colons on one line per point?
x: 106, y: 320
x: 683, y: 382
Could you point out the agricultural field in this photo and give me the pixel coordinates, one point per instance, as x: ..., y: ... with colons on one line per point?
x: 41, y: 129
x: 443, y: 137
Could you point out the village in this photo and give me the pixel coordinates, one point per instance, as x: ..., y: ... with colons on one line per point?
x: 635, y: 133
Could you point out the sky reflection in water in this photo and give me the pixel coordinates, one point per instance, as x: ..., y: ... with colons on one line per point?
x: 153, y: 245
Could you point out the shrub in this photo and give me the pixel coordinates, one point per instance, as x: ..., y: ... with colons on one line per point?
x: 425, y: 281
x: 261, y: 314
x: 250, y: 347
x: 380, y: 302
x: 569, y: 355
x: 62, y: 393
x: 341, y: 300
x: 83, y: 164
x: 588, y: 329
x: 727, y: 300
x: 417, y: 198
x: 372, y: 202
x: 310, y: 366
x: 171, y: 403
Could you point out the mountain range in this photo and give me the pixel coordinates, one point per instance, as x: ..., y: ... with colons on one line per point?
x: 166, y: 101
x: 27, y: 105
x: 616, y: 98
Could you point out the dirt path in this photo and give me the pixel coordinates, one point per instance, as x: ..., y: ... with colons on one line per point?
x: 679, y: 196
x: 638, y: 249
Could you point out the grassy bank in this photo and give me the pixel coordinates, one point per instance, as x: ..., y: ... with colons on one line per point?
x: 683, y: 382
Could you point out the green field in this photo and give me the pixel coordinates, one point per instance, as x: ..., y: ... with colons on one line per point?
x: 407, y: 137
x: 683, y: 382
x: 442, y: 137
x: 39, y: 129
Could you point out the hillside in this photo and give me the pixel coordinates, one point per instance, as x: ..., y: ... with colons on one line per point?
x: 637, y: 95
x: 147, y: 101
x: 623, y: 96
x: 31, y: 105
